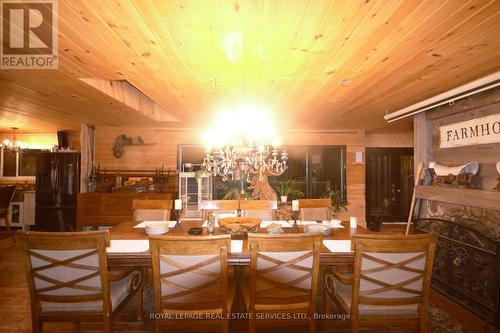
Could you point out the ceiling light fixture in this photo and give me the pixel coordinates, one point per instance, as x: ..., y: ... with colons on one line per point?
x: 13, y: 145
x: 242, y: 144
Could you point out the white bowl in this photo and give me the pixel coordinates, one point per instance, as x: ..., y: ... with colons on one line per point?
x: 156, y: 228
x: 335, y: 222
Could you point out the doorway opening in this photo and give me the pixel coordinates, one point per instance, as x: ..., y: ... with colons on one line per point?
x: 389, y: 185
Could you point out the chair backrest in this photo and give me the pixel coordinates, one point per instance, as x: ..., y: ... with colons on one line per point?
x: 392, y: 270
x: 66, y: 267
x: 190, y: 272
x: 219, y: 207
x: 6, y: 195
x: 284, y: 271
x: 262, y: 209
x: 315, y: 209
x: 151, y: 210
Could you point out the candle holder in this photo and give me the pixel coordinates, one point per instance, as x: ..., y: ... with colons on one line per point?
x: 177, y: 213
x: 295, y: 215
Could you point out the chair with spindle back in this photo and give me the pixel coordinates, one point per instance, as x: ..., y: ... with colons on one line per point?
x: 6, y: 195
x: 315, y: 209
x: 68, y: 278
x: 151, y: 210
x: 283, y: 278
x: 262, y: 209
x: 190, y: 276
x: 229, y: 208
x: 390, y: 281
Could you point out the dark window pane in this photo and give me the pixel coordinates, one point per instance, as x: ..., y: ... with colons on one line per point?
x: 325, y: 170
x: 9, y: 163
x: 191, y: 154
x: 27, y: 162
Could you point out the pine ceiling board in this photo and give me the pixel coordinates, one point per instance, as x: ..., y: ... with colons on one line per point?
x: 163, y: 19
x: 395, y: 63
x: 140, y: 38
x: 451, y: 50
x: 88, y: 62
x: 135, y: 69
x: 391, y: 33
x: 358, y: 97
x: 348, y: 24
x: 82, y: 25
x: 481, y: 63
x: 331, y: 84
x: 286, y: 55
x: 52, y: 95
x: 181, y: 43
x: 303, y: 45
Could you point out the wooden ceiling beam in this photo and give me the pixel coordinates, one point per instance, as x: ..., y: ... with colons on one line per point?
x: 129, y: 95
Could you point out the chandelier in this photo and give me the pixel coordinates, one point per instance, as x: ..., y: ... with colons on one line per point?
x: 13, y: 145
x: 242, y: 144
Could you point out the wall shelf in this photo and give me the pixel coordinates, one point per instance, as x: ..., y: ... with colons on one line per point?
x: 460, y: 196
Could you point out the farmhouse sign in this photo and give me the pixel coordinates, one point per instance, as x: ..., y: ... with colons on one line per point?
x: 472, y: 132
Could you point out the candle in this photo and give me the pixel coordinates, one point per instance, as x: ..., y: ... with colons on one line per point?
x: 353, y: 222
x: 295, y: 205
x: 178, y: 204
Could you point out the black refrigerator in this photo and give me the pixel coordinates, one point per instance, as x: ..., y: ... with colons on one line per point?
x: 57, y: 187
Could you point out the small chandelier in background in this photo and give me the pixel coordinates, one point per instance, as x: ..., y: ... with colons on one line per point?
x: 242, y: 144
x: 13, y: 145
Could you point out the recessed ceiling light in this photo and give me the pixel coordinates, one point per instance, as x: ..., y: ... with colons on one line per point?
x: 345, y: 82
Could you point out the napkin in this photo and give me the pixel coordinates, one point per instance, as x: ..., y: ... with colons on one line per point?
x: 305, y: 222
x: 128, y: 246
x: 236, y: 246
x: 333, y: 225
x: 171, y: 224
x: 338, y: 245
x: 284, y: 224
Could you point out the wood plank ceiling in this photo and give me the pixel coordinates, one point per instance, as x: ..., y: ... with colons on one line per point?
x: 317, y: 64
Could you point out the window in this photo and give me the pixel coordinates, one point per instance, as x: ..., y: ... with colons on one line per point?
x: 18, y: 164
x: 312, y: 170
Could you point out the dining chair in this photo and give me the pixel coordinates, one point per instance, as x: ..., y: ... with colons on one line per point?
x: 68, y: 278
x: 315, y: 209
x: 190, y: 277
x: 151, y: 210
x: 389, y: 283
x: 6, y: 195
x: 261, y: 209
x: 283, y: 278
x: 225, y: 208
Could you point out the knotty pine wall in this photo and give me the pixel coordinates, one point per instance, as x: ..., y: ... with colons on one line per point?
x: 164, y: 151
x: 389, y: 140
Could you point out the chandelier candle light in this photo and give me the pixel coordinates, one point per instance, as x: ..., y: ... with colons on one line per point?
x: 241, y: 145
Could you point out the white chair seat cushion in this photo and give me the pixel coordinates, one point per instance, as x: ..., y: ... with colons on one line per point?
x: 151, y: 215
x: 314, y: 214
x: 118, y: 292
x: 343, y: 293
x: 264, y: 215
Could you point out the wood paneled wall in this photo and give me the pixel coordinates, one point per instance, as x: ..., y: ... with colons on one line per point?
x: 475, y: 106
x: 389, y: 140
x: 164, y: 151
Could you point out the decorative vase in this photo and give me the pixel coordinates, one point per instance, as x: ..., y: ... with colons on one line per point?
x: 284, y: 198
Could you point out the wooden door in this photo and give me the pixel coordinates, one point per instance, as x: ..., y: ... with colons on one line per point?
x: 389, y: 179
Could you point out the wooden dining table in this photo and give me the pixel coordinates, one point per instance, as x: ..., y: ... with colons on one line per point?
x: 126, y: 231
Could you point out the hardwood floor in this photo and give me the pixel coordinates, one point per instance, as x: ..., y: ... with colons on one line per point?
x: 15, y: 306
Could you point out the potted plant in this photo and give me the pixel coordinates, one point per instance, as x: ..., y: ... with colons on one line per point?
x: 284, y: 189
x: 339, y: 201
